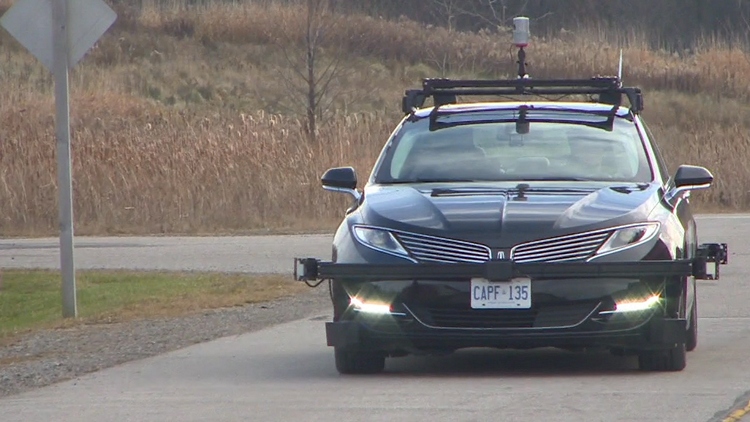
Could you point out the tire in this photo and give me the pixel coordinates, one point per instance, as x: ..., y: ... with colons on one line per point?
x: 358, y: 362
x: 673, y: 359
x: 691, y: 341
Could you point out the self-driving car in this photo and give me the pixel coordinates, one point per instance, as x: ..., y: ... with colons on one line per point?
x: 517, y: 223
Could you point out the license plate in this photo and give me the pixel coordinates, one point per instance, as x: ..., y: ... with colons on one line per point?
x: 514, y: 294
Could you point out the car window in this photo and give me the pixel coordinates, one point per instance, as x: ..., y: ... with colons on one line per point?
x: 494, y: 151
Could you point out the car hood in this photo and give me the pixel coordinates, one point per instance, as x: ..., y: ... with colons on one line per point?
x: 497, y: 217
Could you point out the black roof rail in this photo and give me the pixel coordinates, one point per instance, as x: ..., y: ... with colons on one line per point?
x: 445, y: 91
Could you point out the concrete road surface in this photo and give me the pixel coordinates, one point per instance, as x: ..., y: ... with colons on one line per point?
x: 286, y: 372
x: 256, y: 254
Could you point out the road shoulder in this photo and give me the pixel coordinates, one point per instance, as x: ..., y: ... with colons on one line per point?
x: 52, y: 356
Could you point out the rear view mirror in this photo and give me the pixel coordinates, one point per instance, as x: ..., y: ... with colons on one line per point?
x: 693, y: 177
x: 522, y: 125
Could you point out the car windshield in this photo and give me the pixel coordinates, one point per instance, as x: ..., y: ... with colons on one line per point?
x: 477, y: 148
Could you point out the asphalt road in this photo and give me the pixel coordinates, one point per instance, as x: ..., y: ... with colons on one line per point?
x: 286, y: 372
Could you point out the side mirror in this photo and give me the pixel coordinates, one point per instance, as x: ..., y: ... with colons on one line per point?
x: 689, y: 178
x: 341, y: 179
x: 693, y: 177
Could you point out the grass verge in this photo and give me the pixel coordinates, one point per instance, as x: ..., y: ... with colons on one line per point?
x: 30, y: 299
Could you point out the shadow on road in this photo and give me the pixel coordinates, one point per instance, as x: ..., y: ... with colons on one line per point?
x: 517, y: 363
x: 317, y: 365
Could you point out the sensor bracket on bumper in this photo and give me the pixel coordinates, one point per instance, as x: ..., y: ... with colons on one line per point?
x: 707, y: 254
x: 311, y: 269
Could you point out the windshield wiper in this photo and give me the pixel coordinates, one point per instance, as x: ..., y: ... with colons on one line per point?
x: 628, y: 189
x: 556, y: 179
x: 468, y: 191
x: 414, y: 181
x: 605, y: 125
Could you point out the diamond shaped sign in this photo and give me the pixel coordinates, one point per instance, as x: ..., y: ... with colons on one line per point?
x: 31, y: 23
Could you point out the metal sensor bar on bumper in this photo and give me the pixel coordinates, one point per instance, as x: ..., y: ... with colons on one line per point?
x: 311, y: 269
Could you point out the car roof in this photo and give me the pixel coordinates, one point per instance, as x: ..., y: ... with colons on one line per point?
x: 532, y: 105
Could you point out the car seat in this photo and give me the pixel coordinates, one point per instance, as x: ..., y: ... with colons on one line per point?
x: 447, y: 154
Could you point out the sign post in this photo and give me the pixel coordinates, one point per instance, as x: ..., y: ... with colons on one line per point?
x: 58, y: 33
x: 64, y: 171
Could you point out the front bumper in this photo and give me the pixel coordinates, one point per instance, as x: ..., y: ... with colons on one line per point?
x: 654, y: 334
x: 414, y: 331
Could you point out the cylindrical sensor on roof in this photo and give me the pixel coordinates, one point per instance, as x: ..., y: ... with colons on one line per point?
x: 521, y: 31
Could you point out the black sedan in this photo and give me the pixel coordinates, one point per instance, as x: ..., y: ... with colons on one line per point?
x: 516, y: 224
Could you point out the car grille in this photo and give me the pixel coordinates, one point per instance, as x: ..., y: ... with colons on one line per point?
x: 541, y: 316
x: 565, y: 248
x: 438, y: 249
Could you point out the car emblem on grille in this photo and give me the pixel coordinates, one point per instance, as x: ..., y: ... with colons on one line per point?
x: 500, y: 254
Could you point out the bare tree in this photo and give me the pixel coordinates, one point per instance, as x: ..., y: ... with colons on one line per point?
x: 499, y: 14
x: 314, y: 63
x: 448, y: 10
x: 490, y: 12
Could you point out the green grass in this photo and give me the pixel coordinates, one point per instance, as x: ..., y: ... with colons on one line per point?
x: 31, y: 299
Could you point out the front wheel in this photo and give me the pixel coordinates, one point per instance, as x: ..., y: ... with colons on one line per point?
x: 673, y: 359
x: 350, y: 361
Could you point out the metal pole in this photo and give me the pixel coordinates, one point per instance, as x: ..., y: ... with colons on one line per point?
x: 64, y: 178
x: 521, y: 63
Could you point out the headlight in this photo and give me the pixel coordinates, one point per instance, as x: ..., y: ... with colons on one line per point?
x: 370, y: 308
x: 628, y: 237
x: 377, y: 308
x: 379, y: 239
x: 637, y: 305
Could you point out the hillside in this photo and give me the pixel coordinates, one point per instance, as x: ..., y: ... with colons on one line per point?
x: 191, y: 119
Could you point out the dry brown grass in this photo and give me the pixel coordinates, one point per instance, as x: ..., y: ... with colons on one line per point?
x: 712, y: 67
x: 143, y: 169
x: 168, y: 137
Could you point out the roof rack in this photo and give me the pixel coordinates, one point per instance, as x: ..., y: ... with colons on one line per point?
x: 445, y: 91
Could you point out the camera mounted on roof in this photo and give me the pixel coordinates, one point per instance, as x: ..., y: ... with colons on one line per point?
x: 609, y: 90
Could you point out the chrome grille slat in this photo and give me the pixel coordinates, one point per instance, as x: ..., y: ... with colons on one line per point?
x: 438, y: 240
x: 569, y: 258
x: 445, y: 249
x: 445, y: 261
x: 560, y: 249
x: 581, y: 245
x: 452, y: 261
x: 559, y: 253
x: 564, y: 241
x: 445, y: 255
x: 550, y: 258
x: 434, y: 249
x: 576, y: 258
x: 448, y: 248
